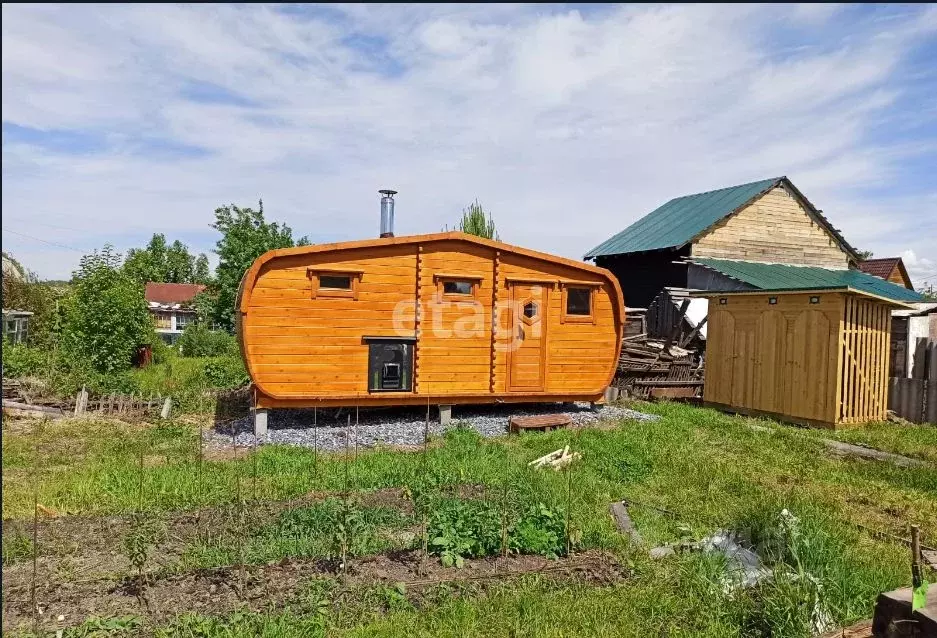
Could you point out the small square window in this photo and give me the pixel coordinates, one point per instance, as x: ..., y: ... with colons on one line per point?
x: 335, y: 282
x: 723, y: 301
x: 815, y: 299
x: 579, y: 301
x: 457, y: 287
x: 329, y: 283
x: 772, y: 300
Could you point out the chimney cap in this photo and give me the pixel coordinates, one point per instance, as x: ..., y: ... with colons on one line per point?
x: 387, y: 191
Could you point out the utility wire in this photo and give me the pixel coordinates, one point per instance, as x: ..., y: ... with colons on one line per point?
x: 45, y: 241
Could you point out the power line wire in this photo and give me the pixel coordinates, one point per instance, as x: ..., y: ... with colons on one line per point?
x: 45, y: 241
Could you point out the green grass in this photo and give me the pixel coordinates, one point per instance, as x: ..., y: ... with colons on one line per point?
x: 712, y: 470
x: 306, y: 532
x: 916, y: 441
x: 190, y: 380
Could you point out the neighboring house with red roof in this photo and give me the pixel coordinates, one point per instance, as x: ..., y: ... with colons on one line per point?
x: 171, y: 307
x: 888, y: 268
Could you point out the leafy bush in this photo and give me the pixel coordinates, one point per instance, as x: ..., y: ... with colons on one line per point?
x: 26, y: 292
x: 540, y: 530
x: 162, y: 351
x: 20, y: 360
x: 226, y: 372
x: 467, y: 528
x: 460, y: 528
x: 199, y: 341
x: 105, y: 316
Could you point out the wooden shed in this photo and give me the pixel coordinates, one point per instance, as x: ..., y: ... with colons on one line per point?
x: 446, y: 318
x: 813, y: 357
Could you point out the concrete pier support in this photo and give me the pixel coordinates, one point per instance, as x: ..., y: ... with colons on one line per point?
x: 260, y: 422
x: 445, y: 414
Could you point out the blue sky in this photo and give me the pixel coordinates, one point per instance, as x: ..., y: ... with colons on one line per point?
x: 566, y: 122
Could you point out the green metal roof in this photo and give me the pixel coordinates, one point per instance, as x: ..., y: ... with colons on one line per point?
x: 785, y: 277
x: 681, y: 219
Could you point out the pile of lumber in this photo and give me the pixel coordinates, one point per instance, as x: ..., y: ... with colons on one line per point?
x: 651, y: 368
x: 12, y: 391
x: 557, y: 459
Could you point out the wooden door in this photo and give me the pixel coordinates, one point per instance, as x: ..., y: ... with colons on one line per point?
x: 527, y: 351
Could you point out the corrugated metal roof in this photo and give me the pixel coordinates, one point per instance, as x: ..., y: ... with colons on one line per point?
x: 785, y: 277
x: 681, y: 219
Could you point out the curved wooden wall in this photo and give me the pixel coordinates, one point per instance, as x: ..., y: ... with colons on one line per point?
x: 304, y: 351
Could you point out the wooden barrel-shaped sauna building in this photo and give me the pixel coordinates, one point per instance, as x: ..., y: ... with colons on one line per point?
x: 816, y: 357
x: 446, y: 318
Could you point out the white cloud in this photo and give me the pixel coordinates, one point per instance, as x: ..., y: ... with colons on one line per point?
x: 922, y: 270
x: 568, y: 125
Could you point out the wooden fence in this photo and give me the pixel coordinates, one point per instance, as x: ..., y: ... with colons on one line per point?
x: 916, y: 399
x: 123, y: 405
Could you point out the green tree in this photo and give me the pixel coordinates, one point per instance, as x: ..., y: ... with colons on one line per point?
x: 202, y: 273
x: 245, y: 236
x: 105, y: 316
x: 166, y: 263
x: 864, y: 254
x: 476, y: 222
x: 22, y: 290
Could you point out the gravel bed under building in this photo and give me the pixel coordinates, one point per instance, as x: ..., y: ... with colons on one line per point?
x: 397, y: 426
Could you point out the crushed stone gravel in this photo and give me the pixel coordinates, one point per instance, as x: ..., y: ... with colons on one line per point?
x: 397, y: 426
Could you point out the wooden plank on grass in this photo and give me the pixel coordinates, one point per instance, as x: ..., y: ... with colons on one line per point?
x: 623, y: 520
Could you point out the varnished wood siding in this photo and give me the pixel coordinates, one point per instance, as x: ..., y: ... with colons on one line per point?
x: 823, y: 364
x: 455, y: 342
x: 897, y: 278
x: 578, y: 354
x: 302, y: 350
x: 774, y: 228
x: 296, y: 345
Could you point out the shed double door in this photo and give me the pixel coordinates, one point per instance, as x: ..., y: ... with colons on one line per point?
x: 528, y: 349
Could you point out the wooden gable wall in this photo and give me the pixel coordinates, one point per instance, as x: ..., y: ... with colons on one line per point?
x: 897, y: 277
x: 774, y: 228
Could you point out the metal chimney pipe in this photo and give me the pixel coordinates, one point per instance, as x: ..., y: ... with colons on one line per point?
x: 387, y: 212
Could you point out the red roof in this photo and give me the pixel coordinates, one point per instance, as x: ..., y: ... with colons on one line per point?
x: 172, y: 293
x: 879, y: 267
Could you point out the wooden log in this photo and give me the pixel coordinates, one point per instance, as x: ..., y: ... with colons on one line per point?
x: 623, y: 520
x: 673, y: 393
x: 669, y: 382
x: 686, y: 340
x: 549, y: 457
x: 31, y: 408
x: 563, y: 461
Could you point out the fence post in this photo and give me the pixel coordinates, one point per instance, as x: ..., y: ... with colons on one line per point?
x: 167, y: 408
x: 81, y: 401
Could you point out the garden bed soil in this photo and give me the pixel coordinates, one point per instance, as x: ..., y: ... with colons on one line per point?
x: 267, y: 587
x: 75, y: 548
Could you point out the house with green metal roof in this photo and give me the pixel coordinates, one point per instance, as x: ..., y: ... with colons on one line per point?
x: 761, y: 235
